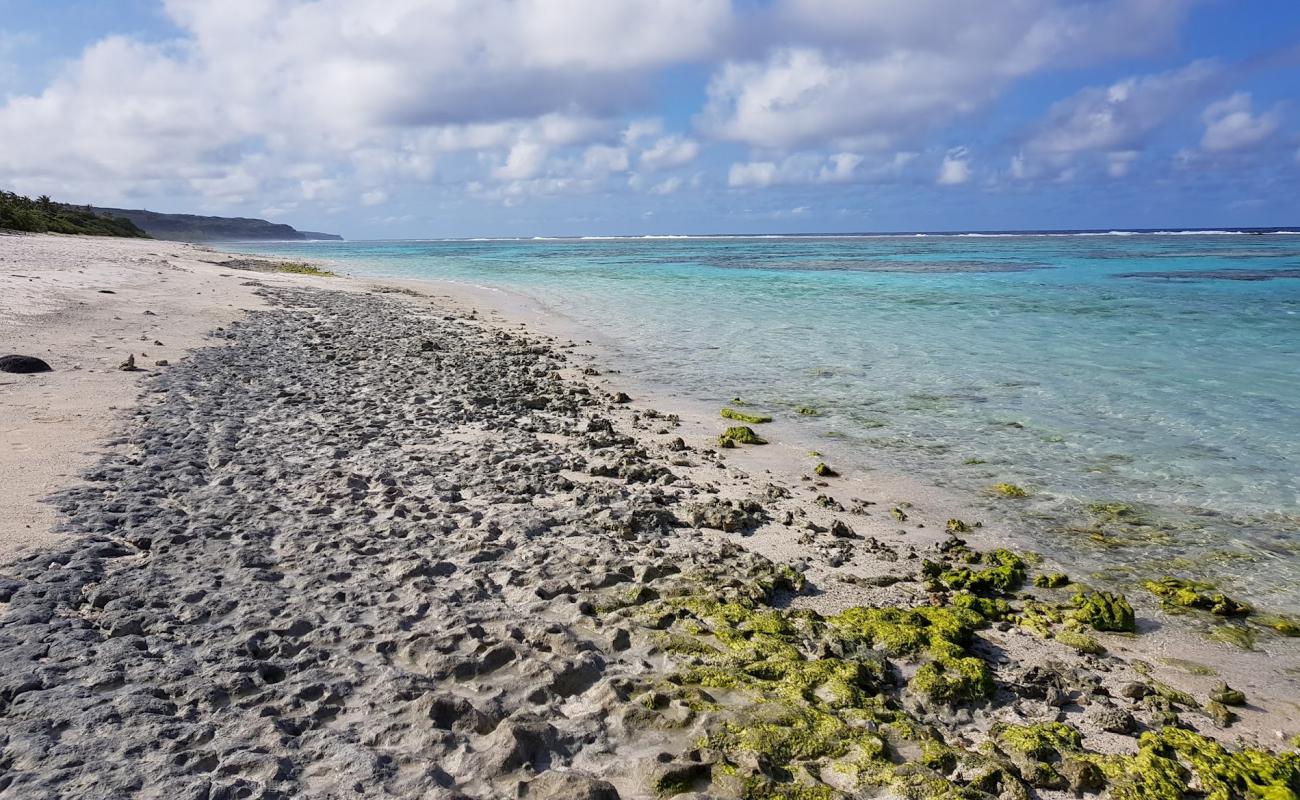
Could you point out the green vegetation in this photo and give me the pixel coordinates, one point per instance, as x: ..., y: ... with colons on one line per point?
x: 43, y: 215
x: 741, y: 416
x: 1010, y: 490
x: 824, y: 471
x: 806, y: 411
x: 303, y: 268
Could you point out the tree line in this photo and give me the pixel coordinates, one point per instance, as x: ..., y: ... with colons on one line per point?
x: 43, y: 215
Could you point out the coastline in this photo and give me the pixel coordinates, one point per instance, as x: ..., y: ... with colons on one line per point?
x: 845, y: 572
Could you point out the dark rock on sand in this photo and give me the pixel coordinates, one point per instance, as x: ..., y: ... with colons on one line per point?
x: 23, y: 365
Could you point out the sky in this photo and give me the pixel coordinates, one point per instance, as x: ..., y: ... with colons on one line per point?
x: 466, y: 118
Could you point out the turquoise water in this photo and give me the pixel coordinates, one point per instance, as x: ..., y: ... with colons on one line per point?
x: 1159, y: 370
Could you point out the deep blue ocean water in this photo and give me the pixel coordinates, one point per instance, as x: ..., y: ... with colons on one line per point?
x: 1157, y: 370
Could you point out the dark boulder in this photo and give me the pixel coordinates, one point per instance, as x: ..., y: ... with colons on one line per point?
x: 23, y: 364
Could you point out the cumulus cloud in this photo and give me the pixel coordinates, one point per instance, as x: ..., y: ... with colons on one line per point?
x: 669, y: 151
x: 379, y: 88
x: 1120, y: 116
x: 955, y: 169
x: 873, y: 74
x: 1231, y: 125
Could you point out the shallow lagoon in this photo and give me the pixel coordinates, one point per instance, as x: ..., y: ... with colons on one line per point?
x: 1161, y: 371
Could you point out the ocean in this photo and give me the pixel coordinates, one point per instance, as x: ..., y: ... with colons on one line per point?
x: 1144, y: 388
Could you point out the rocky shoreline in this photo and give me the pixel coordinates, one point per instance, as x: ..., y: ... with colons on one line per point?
x: 368, y: 546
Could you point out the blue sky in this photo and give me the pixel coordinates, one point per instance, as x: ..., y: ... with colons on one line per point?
x: 414, y: 118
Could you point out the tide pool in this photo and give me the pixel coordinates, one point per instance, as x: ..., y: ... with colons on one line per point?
x: 1159, y: 371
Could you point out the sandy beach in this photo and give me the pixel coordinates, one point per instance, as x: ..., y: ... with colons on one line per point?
x: 350, y: 538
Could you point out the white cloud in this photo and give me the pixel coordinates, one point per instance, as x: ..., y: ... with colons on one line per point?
x: 375, y: 197
x: 1120, y: 162
x: 955, y: 169
x: 669, y: 151
x: 601, y: 159
x: 375, y: 88
x: 668, y: 186
x: 752, y: 174
x: 1230, y: 125
x: 874, y: 74
x: 1120, y: 116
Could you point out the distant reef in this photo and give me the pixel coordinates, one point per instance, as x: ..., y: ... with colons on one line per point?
x: 194, y: 228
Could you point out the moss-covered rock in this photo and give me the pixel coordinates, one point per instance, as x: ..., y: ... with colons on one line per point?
x: 1225, y: 694
x: 957, y: 526
x: 1009, y: 490
x: 822, y: 470
x: 1051, y: 580
x: 996, y: 572
x: 740, y: 434
x: 741, y: 416
x: 1104, y: 611
x: 1183, y: 593
x: 1081, y: 642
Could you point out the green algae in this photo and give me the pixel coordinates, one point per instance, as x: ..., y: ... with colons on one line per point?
x: 824, y: 471
x: 1286, y: 626
x: 1116, y: 513
x: 957, y: 526
x: 806, y: 411
x: 1190, y: 667
x: 996, y: 572
x: 740, y: 434
x: 1051, y: 580
x: 898, y: 514
x: 741, y: 416
x: 1104, y: 611
x: 1177, y: 593
x: 1009, y: 490
x: 1233, y: 634
x: 973, y: 461
x: 1081, y: 642
x: 1040, y: 618
x: 1170, y: 760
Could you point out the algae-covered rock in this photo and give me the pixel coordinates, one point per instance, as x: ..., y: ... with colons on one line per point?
x: 996, y: 572
x: 1182, y: 593
x: 824, y: 471
x: 1051, y: 580
x: 950, y: 681
x: 1104, y: 611
x: 957, y: 526
x: 1081, y: 642
x: 740, y: 434
x: 1009, y: 490
x: 806, y: 411
x: 1225, y: 694
x: 741, y: 416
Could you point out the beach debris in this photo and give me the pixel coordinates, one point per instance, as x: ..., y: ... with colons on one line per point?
x: 23, y: 365
x: 129, y: 364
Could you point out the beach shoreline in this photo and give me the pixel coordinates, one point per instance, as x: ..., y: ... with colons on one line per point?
x: 906, y: 523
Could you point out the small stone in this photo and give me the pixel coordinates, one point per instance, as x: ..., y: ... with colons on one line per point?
x: 620, y: 397
x: 1228, y: 696
x: 840, y: 529
x: 1134, y: 690
x: 162, y: 362
x: 129, y: 364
